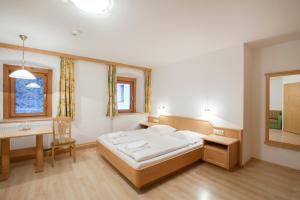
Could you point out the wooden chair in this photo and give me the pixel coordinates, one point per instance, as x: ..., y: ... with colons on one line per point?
x: 62, y: 137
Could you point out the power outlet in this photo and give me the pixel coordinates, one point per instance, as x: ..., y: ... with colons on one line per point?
x: 218, y: 132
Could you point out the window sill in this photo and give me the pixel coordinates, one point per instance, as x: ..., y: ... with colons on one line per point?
x: 29, y: 119
x: 136, y: 113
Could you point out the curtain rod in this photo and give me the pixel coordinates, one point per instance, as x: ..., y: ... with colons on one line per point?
x: 75, y: 57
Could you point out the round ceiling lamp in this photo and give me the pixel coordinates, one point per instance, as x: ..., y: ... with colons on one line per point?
x: 94, y: 6
x: 22, y: 73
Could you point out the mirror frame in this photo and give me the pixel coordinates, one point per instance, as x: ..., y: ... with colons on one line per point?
x: 267, y: 110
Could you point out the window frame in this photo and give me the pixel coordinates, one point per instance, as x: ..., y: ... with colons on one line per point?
x: 9, y: 92
x: 132, y: 83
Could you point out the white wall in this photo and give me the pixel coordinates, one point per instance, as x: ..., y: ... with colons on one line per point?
x: 90, y: 97
x: 291, y: 79
x: 276, y: 93
x: 281, y: 57
x: 214, y: 80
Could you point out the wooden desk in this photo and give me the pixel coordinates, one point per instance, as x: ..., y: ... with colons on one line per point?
x: 5, y: 136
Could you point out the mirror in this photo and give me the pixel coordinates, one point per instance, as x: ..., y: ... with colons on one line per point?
x: 283, y: 109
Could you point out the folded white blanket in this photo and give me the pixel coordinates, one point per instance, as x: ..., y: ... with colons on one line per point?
x: 155, y: 146
x: 135, y: 145
x: 132, y: 136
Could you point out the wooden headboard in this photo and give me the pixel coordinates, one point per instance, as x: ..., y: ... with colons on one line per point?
x: 197, y: 125
x: 184, y: 123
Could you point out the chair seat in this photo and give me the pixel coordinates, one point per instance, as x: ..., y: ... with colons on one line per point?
x: 62, y: 141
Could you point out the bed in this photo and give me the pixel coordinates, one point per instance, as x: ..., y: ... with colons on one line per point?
x: 145, y: 172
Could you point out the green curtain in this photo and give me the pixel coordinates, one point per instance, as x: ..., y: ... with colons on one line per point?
x: 147, y: 76
x: 112, y: 109
x: 66, y: 105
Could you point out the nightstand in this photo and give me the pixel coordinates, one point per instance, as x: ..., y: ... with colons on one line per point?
x: 221, y: 151
x: 147, y: 124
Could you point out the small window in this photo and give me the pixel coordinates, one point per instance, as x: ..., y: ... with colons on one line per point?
x: 126, y: 95
x: 27, y: 98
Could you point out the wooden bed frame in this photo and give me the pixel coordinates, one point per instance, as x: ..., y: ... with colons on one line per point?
x: 145, y: 176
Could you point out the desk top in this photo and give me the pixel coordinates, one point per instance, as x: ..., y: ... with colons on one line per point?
x: 20, y: 133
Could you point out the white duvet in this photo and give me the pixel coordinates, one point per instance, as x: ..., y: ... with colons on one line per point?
x: 124, y: 137
x: 152, y: 147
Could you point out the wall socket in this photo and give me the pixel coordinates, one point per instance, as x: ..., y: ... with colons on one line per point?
x: 218, y: 132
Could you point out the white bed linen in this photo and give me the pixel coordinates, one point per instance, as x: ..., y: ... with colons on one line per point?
x: 189, y: 136
x: 153, y: 147
x: 132, y: 136
x: 139, y: 165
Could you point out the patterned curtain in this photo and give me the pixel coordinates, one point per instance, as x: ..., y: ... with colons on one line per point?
x: 147, y: 75
x: 66, y: 105
x: 112, y: 109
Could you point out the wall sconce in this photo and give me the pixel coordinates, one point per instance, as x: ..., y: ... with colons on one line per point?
x: 206, y: 112
x: 206, y: 109
x: 162, y: 109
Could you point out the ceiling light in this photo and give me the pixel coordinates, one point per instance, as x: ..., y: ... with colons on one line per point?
x: 94, y: 6
x: 22, y: 73
x: 33, y: 86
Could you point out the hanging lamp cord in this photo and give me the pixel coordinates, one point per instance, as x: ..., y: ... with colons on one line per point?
x: 23, y: 63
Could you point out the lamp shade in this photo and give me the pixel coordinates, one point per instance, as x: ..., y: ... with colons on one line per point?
x: 22, y: 74
x: 94, y: 6
x: 33, y: 86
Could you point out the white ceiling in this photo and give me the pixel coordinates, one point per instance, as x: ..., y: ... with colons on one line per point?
x: 147, y: 32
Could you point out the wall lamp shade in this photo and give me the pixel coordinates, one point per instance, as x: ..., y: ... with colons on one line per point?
x: 94, y: 6
x: 22, y: 74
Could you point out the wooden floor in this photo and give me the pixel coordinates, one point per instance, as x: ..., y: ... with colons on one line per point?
x: 93, y: 178
x: 283, y: 136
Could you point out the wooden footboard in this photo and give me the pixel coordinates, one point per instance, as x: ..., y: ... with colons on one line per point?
x: 149, y: 174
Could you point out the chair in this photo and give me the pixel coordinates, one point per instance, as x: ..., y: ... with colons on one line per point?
x: 62, y: 137
x: 275, y: 119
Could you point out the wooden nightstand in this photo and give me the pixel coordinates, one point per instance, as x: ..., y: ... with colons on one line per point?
x: 221, y: 151
x: 147, y: 124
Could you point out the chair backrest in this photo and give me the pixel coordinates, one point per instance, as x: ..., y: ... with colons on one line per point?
x: 61, y: 128
x: 274, y: 114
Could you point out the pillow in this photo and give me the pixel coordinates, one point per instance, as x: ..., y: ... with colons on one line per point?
x: 190, y: 136
x: 192, y: 132
x: 162, y: 128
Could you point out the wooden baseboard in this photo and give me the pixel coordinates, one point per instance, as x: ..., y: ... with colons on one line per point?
x: 275, y: 164
x: 269, y: 163
x: 22, y: 154
x: 29, y: 153
x: 87, y: 145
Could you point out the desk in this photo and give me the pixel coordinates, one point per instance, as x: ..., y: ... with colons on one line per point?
x: 5, y: 137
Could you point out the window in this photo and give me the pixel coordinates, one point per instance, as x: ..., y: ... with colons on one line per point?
x: 126, y: 94
x: 27, y: 98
